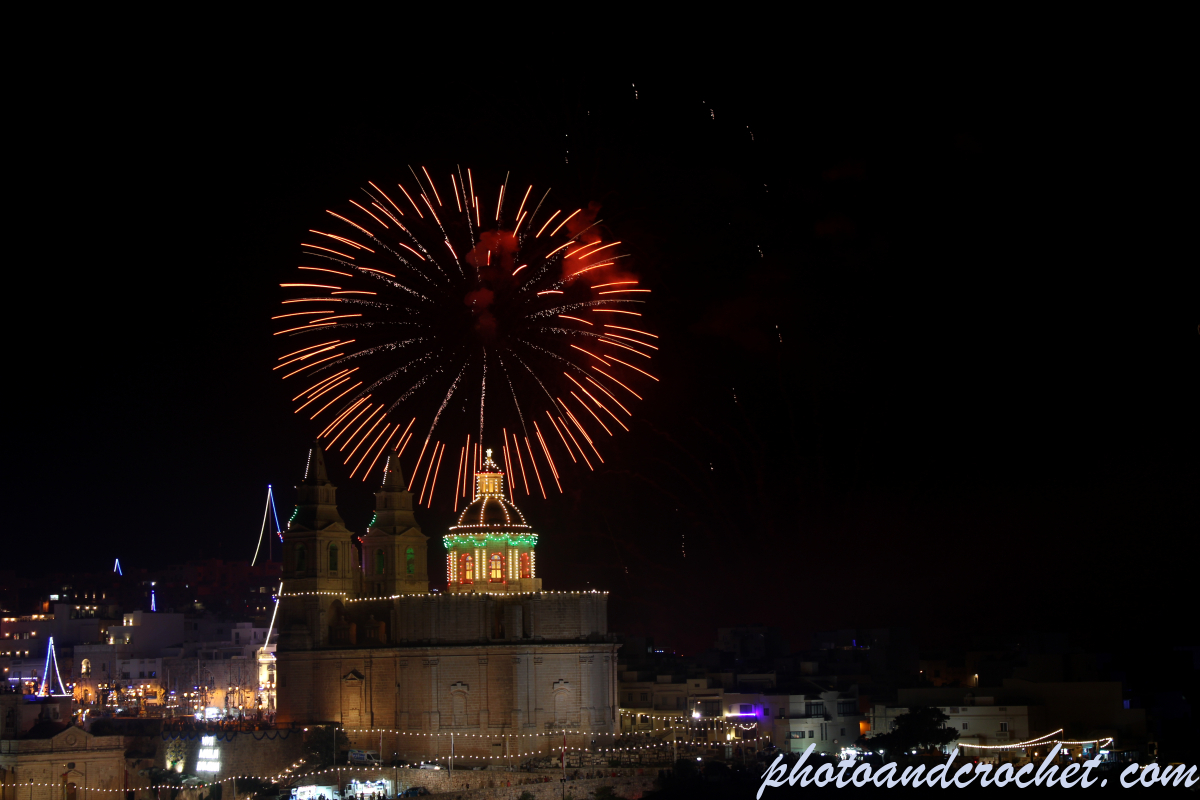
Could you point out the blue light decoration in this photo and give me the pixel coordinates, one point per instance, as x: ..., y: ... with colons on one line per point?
x: 268, y: 512
x: 153, y: 607
x: 117, y: 567
x: 278, y: 527
x: 45, y: 687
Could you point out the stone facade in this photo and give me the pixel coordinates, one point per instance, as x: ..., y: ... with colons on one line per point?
x: 70, y: 765
x: 381, y: 655
x: 222, y: 755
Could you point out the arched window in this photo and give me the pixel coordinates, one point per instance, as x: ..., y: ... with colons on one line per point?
x: 465, y: 563
x: 496, y: 563
x: 301, y: 558
x: 525, y: 571
x: 333, y: 554
x: 379, y: 562
x: 85, y: 667
x: 410, y: 560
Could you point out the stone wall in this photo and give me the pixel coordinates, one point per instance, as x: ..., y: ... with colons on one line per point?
x: 239, y: 753
x: 480, y: 692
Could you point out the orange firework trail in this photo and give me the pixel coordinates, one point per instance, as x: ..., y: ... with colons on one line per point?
x: 438, y: 316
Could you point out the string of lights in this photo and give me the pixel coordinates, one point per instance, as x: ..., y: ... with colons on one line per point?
x: 274, y: 778
x: 693, y: 722
x: 288, y: 772
x: 1023, y: 745
x: 1038, y: 740
x: 457, y: 735
x: 342, y: 596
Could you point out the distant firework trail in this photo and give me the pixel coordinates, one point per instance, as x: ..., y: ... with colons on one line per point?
x: 435, y: 318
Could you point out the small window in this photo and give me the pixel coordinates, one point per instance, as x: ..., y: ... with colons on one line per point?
x: 526, y: 571
x: 301, y: 559
x: 379, y: 562
x: 645, y: 697
x: 333, y: 558
x: 410, y: 561
x: 1004, y: 727
x: 496, y: 564
x: 745, y: 708
x: 812, y: 734
x: 965, y: 724
x: 843, y: 733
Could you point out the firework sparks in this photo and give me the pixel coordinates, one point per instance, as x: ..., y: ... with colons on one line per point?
x: 429, y: 292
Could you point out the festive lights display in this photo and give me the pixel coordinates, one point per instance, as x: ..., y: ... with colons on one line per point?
x: 1027, y: 743
x: 511, y: 539
x: 342, y: 595
x: 1038, y: 742
x: 552, y: 749
x: 270, y: 509
x: 45, y: 687
x: 204, y: 784
x: 691, y: 721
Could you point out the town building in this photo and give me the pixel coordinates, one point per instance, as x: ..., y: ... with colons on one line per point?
x: 366, y: 644
x: 44, y: 758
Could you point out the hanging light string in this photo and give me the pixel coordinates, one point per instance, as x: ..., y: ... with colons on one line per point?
x: 342, y: 596
x: 692, y: 722
x: 1039, y: 742
x: 289, y: 771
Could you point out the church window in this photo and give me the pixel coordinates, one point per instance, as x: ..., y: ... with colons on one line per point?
x: 410, y: 560
x: 301, y: 560
x: 379, y: 562
x: 333, y: 554
x: 465, y: 563
x: 85, y: 668
x: 497, y: 567
x: 525, y: 565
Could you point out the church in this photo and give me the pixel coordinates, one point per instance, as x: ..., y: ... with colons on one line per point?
x: 494, y: 660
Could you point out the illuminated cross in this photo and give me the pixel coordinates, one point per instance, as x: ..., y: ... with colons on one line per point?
x: 489, y: 452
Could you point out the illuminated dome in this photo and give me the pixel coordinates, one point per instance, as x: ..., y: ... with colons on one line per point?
x: 490, y: 509
x: 491, y: 548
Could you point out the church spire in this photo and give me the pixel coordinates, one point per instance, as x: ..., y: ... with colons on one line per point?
x: 316, y: 496
x: 393, y: 501
x: 393, y: 476
x: 314, y: 470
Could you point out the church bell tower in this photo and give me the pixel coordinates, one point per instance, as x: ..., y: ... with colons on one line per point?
x: 394, y: 551
x: 319, y: 566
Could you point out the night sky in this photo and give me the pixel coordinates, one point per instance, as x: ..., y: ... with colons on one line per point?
x: 926, y: 357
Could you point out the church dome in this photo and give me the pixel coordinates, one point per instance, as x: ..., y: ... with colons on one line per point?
x: 487, y: 511
x: 490, y: 510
